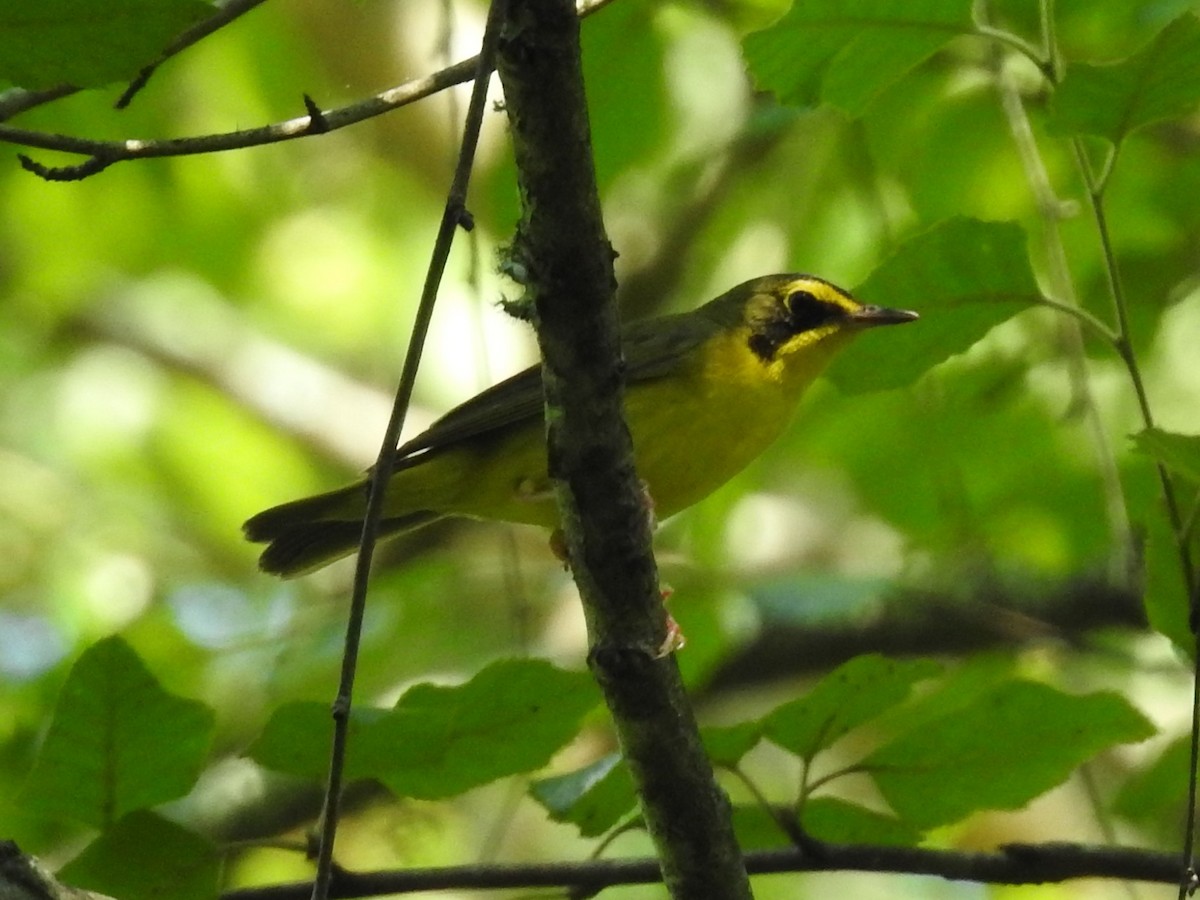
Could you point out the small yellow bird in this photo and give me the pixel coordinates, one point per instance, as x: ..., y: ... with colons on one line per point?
x: 706, y: 392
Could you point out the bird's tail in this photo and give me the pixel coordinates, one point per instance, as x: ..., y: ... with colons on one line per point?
x: 308, y: 533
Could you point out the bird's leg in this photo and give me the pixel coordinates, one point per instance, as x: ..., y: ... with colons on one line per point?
x: 558, y: 546
x: 674, y: 639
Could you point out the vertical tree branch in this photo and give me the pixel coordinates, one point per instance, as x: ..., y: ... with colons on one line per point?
x: 562, y: 248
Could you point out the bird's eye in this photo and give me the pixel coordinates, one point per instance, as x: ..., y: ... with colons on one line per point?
x: 808, y: 312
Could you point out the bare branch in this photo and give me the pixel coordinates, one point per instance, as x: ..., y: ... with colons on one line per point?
x: 1012, y: 864
x: 316, y: 122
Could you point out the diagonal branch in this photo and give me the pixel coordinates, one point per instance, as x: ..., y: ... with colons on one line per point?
x: 101, y: 154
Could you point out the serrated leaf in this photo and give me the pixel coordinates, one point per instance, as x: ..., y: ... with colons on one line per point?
x: 594, y: 798
x: 1180, y: 453
x: 1160, y: 81
x: 831, y: 819
x: 964, y: 276
x: 726, y: 745
x: 117, y: 743
x: 846, y: 52
x: 440, y: 741
x: 87, y: 43
x: 1011, y: 745
x: 853, y: 693
x: 145, y: 856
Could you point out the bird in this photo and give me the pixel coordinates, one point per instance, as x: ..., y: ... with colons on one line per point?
x: 707, y: 391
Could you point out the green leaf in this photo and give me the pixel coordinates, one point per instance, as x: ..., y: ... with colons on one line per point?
x: 1153, y: 797
x: 296, y: 739
x: 1166, y: 599
x: 850, y: 695
x: 757, y: 829
x: 831, y: 819
x: 846, y: 52
x: 146, y: 856
x: 1010, y: 745
x: 594, y: 798
x: 87, y: 43
x: 440, y: 741
x: 1160, y: 81
x: 118, y: 742
x: 628, y: 106
x: 1178, y: 452
x: 727, y: 745
x: 964, y: 276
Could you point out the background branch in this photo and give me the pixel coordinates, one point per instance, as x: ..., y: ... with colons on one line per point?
x: 1013, y: 864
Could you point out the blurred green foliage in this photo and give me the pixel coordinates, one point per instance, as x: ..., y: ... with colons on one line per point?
x: 185, y: 341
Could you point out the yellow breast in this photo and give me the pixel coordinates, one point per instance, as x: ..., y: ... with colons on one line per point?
x: 695, y: 431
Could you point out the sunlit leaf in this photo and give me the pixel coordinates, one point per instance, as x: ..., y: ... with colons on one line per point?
x: 1010, y: 745
x: 147, y: 856
x: 1178, y: 452
x: 1160, y: 81
x: 850, y: 695
x: 594, y: 798
x: 87, y: 43
x: 118, y: 742
x: 964, y: 276
x: 846, y: 52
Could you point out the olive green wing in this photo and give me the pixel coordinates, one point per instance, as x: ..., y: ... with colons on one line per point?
x: 653, y: 349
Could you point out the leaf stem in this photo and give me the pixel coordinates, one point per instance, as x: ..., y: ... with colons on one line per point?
x: 1062, y: 286
x: 1124, y: 346
x: 789, y: 826
x: 855, y: 769
x: 1094, y: 323
x: 1019, y: 44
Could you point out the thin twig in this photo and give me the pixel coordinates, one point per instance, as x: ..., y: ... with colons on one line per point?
x: 105, y: 153
x: 1093, y: 323
x: 1062, y: 286
x: 1095, y: 189
x: 453, y: 216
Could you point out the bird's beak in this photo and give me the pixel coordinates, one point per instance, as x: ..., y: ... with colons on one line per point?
x: 869, y: 315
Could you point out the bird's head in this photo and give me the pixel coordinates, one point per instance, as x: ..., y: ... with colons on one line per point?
x: 783, y: 314
x: 794, y: 324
